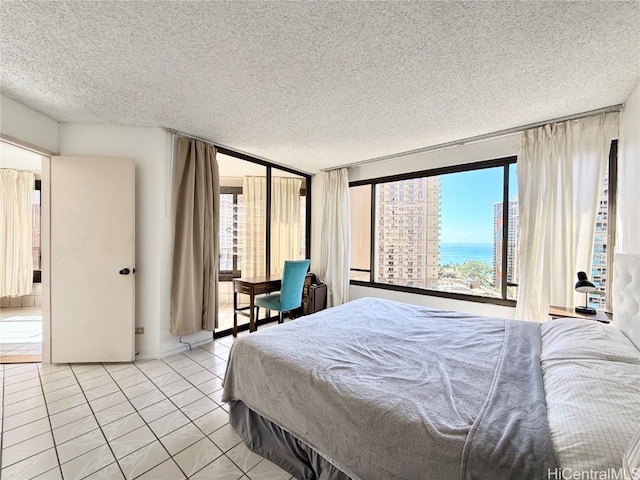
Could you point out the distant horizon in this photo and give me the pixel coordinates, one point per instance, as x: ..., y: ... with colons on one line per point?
x: 467, y: 202
x: 458, y: 252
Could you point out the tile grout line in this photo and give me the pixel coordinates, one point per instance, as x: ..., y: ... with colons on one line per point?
x: 50, y: 426
x: 180, y: 410
x: 99, y: 426
x: 30, y: 438
x: 92, y: 414
x: 191, y: 421
x: 147, y: 425
x: 244, y: 474
x: 224, y: 454
x: 46, y: 404
x: 74, y: 374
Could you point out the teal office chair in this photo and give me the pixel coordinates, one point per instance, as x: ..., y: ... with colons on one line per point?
x: 290, y: 296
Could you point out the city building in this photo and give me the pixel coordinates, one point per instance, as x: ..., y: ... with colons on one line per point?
x: 408, y: 228
x: 512, y: 238
x: 599, y: 264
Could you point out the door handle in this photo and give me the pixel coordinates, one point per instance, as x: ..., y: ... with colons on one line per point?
x: 124, y: 271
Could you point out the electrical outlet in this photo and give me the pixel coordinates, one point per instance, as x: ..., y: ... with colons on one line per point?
x: 139, y: 330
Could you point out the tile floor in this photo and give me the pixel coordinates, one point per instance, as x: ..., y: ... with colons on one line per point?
x: 21, y: 331
x: 225, y: 316
x: 156, y: 419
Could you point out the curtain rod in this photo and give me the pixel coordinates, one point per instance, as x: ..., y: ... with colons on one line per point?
x: 240, y: 152
x: 484, y: 136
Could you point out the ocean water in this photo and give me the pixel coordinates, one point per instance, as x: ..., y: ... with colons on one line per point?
x: 461, y: 252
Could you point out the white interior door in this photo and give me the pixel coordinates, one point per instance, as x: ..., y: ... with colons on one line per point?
x: 92, y: 245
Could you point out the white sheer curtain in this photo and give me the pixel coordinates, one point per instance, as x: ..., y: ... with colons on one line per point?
x: 560, y: 173
x: 628, y: 194
x: 336, y: 236
x: 254, y: 190
x: 16, y: 232
x: 285, y: 221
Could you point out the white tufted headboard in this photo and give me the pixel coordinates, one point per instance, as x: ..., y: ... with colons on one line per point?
x: 626, y: 295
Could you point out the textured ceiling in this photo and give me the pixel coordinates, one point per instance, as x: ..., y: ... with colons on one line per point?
x: 318, y: 84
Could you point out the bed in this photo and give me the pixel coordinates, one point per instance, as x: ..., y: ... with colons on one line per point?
x: 376, y: 389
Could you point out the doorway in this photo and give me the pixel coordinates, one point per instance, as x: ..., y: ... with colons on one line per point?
x: 21, y: 306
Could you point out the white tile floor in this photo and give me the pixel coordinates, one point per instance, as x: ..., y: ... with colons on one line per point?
x: 158, y: 419
x: 225, y: 316
x: 21, y: 331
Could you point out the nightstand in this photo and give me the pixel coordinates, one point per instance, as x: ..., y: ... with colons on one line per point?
x: 564, y: 312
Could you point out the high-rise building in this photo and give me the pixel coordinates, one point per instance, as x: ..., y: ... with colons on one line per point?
x: 408, y: 232
x: 513, y: 235
x: 227, y: 231
x: 599, y: 266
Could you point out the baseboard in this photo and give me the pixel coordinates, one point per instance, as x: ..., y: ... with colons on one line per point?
x: 180, y: 349
x: 216, y: 335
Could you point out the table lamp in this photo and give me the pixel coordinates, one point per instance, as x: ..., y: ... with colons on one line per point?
x: 583, y: 285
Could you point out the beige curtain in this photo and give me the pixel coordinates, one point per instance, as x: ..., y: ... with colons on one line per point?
x: 285, y: 221
x: 194, y: 292
x: 254, y: 191
x: 16, y: 232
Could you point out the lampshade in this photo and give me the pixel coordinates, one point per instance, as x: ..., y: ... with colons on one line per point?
x: 583, y: 285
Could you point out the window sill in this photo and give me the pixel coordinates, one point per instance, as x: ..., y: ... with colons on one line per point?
x: 436, y: 293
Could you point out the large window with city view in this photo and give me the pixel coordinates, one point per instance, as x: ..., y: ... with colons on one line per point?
x: 454, y: 231
x: 444, y: 232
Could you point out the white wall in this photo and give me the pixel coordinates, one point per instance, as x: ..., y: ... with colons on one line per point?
x: 27, y: 125
x: 628, y: 201
x: 151, y: 149
x: 19, y: 158
x: 469, y: 153
x: 472, y: 152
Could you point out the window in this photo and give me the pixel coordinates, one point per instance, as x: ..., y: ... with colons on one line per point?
x: 288, y: 218
x: 440, y: 231
x: 231, y: 219
x: 302, y: 245
x: 263, y: 217
x: 265, y: 213
x: 454, y: 232
x: 36, y: 245
x: 604, y: 235
x: 360, y: 202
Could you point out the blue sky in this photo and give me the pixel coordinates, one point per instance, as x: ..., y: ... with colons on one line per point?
x: 466, y: 202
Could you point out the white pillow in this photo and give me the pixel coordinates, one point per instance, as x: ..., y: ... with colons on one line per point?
x: 573, y: 339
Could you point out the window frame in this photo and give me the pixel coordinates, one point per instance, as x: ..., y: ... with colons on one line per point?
x: 612, y: 194
x: 503, y: 162
x: 229, y: 275
x: 37, y: 274
x: 269, y: 167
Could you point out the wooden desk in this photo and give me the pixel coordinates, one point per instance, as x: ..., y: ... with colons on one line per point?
x: 564, y: 312
x: 252, y: 286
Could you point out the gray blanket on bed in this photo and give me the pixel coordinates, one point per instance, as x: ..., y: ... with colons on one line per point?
x: 387, y: 390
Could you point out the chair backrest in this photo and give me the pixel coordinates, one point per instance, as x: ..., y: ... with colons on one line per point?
x: 292, y: 283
